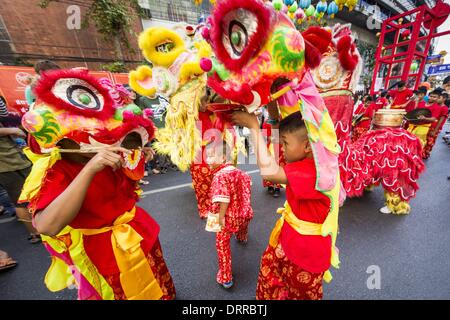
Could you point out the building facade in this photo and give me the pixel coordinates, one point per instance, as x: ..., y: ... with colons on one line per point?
x: 29, y: 33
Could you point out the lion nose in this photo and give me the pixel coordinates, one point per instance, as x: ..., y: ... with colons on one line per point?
x: 206, y: 64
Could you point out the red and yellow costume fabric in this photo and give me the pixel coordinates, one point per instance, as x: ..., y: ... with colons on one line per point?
x: 230, y: 185
x: 97, y: 223
x: 308, y: 253
x: 421, y: 130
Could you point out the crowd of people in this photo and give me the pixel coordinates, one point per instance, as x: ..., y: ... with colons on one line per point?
x: 426, y: 128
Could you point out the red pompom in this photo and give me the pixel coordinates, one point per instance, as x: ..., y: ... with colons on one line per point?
x: 347, y: 53
x: 317, y: 41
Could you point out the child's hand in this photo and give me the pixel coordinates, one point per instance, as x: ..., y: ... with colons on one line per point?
x: 108, y: 157
x: 222, y: 221
x: 245, y: 119
x: 149, y: 153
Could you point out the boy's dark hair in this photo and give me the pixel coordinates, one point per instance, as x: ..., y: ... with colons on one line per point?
x: 436, y: 92
x: 292, y: 123
x: 384, y: 93
x: 422, y: 89
x: 401, y: 84
x: 446, y: 80
x: 45, y: 65
x: 369, y: 98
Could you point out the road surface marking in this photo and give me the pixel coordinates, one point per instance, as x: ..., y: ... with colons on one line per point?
x: 184, y: 185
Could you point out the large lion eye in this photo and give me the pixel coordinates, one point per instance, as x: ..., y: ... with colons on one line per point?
x: 78, y: 93
x: 240, y: 26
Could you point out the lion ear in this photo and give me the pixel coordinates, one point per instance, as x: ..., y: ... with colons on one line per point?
x: 317, y: 40
x: 347, y: 53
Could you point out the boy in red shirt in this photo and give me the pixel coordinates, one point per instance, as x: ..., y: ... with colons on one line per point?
x: 441, y: 113
x: 230, y: 195
x: 367, y: 111
x: 293, y: 265
x: 382, y: 102
x: 401, y: 96
x: 421, y: 130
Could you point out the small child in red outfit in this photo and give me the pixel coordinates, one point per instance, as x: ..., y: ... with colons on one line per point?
x: 230, y: 196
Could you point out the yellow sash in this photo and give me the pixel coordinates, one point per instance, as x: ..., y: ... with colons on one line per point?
x: 302, y: 227
x: 136, y: 276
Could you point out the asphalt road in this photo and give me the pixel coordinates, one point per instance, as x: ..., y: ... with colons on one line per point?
x: 410, y: 252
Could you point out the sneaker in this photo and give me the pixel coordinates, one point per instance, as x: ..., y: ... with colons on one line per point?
x: 270, y: 190
x: 227, y: 285
x: 276, y: 193
x: 7, y: 217
x: 385, y: 210
x: 146, y: 174
x: 34, y: 238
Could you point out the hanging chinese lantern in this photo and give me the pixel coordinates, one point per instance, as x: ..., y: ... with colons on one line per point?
x: 350, y: 4
x: 321, y: 8
x: 289, y: 2
x: 304, y: 4
x: 332, y: 9
x: 340, y: 3
x: 405, y: 33
x: 310, y: 11
x: 414, y: 66
x: 293, y: 7
x: 300, y: 15
x: 277, y: 4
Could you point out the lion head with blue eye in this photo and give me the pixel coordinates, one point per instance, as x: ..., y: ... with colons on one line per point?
x: 257, y: 50
x: 73, y: 105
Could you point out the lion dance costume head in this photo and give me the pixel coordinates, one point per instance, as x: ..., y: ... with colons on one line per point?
x: 75, y: 107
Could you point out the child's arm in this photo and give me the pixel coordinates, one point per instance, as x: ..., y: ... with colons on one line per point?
x: 222, y: 212
x: 66, y: 206
x: 270, y: 170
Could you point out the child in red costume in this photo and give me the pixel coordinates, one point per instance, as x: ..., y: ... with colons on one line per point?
x: 367, y: 111
x: 230, y: 197
x: 83, y: 195
x: 441, y: 113
x: 295, y: 267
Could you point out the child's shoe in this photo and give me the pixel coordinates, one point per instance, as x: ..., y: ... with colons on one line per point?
x: 276, y: 193
x: 227, y: 285
x: 385, y: 210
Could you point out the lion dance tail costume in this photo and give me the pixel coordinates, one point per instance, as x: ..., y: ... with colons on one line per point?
x: 390, y: 157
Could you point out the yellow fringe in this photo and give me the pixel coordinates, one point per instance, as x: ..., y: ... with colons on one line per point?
x: 396, y: 204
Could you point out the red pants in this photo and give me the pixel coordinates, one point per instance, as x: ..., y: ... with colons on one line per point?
x: 201, y: 181
x: 224, y: 251
x: 159, y: 269
x: 280, y: 279
x: 426, y: 151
